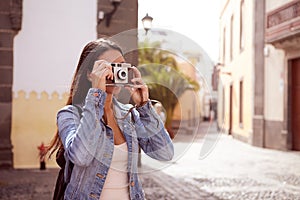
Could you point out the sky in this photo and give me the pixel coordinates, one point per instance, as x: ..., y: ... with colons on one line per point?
x: 196, y: 19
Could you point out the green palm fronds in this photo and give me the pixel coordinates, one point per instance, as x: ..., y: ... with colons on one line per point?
x: 160, y: 72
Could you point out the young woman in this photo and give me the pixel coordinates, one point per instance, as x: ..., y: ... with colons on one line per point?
x: 101, y: 136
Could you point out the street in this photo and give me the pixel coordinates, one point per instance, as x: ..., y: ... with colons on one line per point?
x: 236, y: 170
x: 232, y: 170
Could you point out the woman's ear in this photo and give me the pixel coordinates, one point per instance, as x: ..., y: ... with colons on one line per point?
x: 88, y: 75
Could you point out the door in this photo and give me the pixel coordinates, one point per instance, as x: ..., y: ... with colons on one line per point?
x: 230, y: 110
x: 295, y: 103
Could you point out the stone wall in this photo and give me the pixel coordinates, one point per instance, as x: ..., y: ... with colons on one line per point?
x: 10, y: 24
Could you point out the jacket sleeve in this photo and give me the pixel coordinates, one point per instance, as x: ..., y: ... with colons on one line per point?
x: 80, y: 136
x: 152, y: 136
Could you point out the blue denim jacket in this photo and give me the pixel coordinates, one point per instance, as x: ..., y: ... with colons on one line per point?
x: 89, y: 144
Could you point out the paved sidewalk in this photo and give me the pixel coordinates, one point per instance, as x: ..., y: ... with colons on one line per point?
x: 232, y: 170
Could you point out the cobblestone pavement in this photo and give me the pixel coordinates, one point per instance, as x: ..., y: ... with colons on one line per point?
x: 33, y: 184
x: 233, y: 170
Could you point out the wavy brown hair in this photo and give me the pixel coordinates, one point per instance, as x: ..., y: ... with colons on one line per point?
x: 80, y: 83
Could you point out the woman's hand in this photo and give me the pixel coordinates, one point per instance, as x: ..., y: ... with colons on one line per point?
x: 139, y: 91
x: 102, y: 71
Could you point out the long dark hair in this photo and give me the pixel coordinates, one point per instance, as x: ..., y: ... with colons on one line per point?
x: 80, y: 83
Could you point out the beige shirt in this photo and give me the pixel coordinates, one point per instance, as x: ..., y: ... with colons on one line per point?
x: 116, y: 183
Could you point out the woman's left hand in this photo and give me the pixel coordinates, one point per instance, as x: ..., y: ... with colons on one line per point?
x: 139, y: 91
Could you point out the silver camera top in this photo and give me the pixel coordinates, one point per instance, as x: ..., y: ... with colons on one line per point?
x: 122, y: 73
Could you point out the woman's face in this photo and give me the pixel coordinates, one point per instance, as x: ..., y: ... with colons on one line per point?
x: 112, y: 56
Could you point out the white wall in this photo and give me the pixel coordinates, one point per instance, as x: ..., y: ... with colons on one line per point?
x: 47, y: 49
x: 274, y: 83
x: 273, y: 4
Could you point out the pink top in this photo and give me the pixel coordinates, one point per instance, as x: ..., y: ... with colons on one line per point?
x: 116, y: 183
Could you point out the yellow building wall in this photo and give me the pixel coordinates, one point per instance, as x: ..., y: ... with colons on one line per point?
x: 240, y: 67
x: 189, y: 106
x: 33, y: 122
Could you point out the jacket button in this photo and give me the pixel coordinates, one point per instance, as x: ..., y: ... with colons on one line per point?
x: 93, y: 196
x: 106, y: 155
x: 96, y: 94
x: 100, y: 175
x: 132, y: 183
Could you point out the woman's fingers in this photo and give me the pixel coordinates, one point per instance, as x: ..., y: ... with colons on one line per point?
x: 102, y: 68
x: 139, y: 93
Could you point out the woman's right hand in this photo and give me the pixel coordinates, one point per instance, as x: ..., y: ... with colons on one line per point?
x: 102, y: 70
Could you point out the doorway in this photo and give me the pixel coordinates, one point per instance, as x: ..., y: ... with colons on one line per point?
x: 294, y: 108
x: 230, y: 109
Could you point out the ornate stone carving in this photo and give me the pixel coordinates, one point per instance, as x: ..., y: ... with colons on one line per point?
x: 284, y: 14
x: 283, y: 23
x: 16, y: 14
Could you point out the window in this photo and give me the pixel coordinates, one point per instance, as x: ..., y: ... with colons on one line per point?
x: 231, y: 37
x: 224, y: 45
x: 223, y: 106
x: 241, y: 103
x: 242, y: 22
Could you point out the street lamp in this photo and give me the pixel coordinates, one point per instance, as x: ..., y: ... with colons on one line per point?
x: 147, y: 22
x: 102, y: 15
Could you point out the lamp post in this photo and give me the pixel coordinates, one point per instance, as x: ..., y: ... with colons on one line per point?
x: 147, y: 22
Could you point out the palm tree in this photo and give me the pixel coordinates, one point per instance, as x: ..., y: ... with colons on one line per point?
x: 166, y: 83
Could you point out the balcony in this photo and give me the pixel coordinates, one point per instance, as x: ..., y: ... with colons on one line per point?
x: 283, y: 23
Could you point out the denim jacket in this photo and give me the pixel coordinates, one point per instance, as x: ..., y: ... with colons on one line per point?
x: 89, y: 144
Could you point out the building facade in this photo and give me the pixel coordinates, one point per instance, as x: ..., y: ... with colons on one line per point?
x: 257, y: 84
x: 282, y: 54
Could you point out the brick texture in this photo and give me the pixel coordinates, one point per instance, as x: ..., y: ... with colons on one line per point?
x: 5, y: 5
x: 5, y: 94
x: 6, y: 76
x: 6, y: 58
x: 5, y: 21
x: 6, y: 40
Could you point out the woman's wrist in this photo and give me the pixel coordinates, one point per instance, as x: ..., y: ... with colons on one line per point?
x: 141, y: 104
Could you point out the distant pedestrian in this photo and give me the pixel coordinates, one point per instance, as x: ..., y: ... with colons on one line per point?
x: 212, y: 115
x: 102, y: 136
x: 42, y: 150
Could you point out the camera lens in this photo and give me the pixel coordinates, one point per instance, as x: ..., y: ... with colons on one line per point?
x: 122, y: 74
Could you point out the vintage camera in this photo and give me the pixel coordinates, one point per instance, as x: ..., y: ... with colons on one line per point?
x: 123, y: 73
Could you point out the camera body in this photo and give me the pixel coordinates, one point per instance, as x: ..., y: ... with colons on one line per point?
x: 123, y: 73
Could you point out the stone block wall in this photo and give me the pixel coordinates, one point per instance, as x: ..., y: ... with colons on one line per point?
x: 10, y: 24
